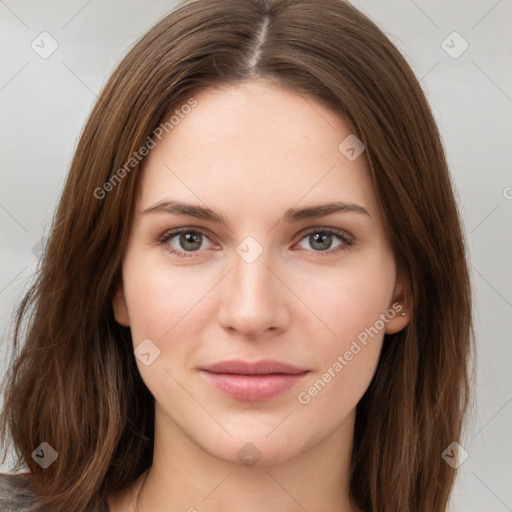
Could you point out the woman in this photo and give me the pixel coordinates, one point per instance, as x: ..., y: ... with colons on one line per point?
x: 255, y: 295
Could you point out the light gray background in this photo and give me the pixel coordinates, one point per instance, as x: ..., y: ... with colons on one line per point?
x: 44, y: 104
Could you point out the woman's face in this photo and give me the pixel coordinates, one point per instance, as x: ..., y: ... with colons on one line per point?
x: 263, y: 283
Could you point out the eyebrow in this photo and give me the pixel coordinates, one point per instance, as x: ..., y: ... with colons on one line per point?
x: 292, y: 215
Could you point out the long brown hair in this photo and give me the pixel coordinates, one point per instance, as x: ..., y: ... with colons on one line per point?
x: 74, y: 383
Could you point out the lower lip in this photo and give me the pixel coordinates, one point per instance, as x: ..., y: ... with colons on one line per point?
x: 253, y: 387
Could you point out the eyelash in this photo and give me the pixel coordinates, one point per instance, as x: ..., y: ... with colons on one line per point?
x: 347, y: 243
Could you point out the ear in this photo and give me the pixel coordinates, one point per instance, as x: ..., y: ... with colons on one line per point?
x: 120, y: 307
x: 402, y: 304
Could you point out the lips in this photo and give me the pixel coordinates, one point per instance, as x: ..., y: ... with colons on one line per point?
x: 256, y: 381
x: 264, y: 367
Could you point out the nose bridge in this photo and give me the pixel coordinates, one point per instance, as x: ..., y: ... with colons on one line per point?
x: 251, y: 275
x: 252, y: 299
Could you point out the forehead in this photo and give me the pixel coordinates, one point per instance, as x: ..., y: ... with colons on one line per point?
x: 256, y: 144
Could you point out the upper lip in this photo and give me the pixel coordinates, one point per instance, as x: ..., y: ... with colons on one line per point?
x: 264, y: 367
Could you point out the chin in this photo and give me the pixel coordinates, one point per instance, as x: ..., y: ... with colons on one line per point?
x: 252, y: 447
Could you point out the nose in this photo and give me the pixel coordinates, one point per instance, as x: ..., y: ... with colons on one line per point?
x: 255, y: 302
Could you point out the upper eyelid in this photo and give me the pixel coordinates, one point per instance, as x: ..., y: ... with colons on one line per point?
x: 171, y: 233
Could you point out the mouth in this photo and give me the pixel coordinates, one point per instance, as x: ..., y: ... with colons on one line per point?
x: 257, y: 381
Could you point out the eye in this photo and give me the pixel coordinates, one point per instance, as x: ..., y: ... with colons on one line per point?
x: 188, y: 240
x: 321, y: 239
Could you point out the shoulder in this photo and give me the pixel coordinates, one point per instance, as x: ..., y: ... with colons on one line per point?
x: 16, y: 493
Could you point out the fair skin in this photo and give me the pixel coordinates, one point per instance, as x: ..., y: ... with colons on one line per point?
x: 250, y: 153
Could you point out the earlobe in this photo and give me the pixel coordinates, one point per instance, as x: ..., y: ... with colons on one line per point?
x: 120, y: 307
x: 400, y: 309
x: 400, y: 319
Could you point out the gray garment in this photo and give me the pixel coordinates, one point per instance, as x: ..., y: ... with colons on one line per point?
x: 16, y: 494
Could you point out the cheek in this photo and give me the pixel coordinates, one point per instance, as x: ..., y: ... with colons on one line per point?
x: 330, y: 397
x: 354, y: 306
x: 164, y: 307
x: 161, y: 298
x: 346, y: 300
x: 346, y: 360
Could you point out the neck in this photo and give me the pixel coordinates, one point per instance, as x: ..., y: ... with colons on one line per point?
x: 186, y: 476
